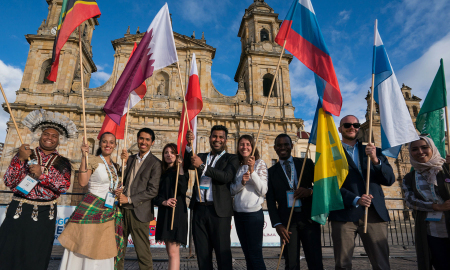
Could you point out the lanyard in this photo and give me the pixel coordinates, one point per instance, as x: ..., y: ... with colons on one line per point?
x: 290, y: 180
x: 113, y: 185
x: 208, y: 161
x: 436, y: 199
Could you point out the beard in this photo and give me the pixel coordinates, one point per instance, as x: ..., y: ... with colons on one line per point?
x: 350, y: 138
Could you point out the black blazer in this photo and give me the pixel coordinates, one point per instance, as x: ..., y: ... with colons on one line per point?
x: 355, y: 185
x: 278, y: 184
x: 222, y: 175
x: 145, y: 186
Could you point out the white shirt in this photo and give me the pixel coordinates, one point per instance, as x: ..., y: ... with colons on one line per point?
x: 139, y: 159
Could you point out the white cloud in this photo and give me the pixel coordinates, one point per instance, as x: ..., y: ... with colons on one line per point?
x: 10, y: 78
x: 221, y: 76
x: 344, y: 16
x: 100, y: 77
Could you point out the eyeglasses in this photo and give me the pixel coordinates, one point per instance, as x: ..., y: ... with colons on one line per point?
x: 348, y: 125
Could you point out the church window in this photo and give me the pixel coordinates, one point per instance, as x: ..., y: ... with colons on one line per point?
x: 415, y: 111
x: 45, y: 71
x: 267, y: 83
x: 303, y: 154
x: 264, y: 35
x: 91, y: 144
x: 407, y: 95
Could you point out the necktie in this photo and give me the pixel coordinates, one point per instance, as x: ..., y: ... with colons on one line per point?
x: 287, y: 167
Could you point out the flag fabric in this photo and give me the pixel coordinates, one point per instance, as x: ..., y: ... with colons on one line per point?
x: 73, y: 13
x: 397, y: 127
x: 431, y: 116
x: 109, y: 125
x: 155, y: 51
x: 194, y: 104
x: 304, y: 40
x: 331, y: 167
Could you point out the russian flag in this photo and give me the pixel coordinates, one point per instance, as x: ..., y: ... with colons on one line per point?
x: 397, y: 127
x: 304, y: 40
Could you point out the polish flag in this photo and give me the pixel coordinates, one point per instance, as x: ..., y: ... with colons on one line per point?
x: 194, y: 104
x: 118, y: 130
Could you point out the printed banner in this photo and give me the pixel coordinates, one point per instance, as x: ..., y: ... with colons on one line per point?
x: 270, y: 237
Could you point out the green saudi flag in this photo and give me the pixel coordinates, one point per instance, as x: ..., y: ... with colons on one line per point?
x: 430, y: 119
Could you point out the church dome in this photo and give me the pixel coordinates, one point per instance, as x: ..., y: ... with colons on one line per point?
x: 261, y: 6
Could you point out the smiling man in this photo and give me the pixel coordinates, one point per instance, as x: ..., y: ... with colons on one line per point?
x: 346, y: 223
x: 141, y: 184
x: 282, y: 188
x: 28, y: 231
x: 213, y: 208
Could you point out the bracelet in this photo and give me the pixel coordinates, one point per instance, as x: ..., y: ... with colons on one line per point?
x: 82, y: 171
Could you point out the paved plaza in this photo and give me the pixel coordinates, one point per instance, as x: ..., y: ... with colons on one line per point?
x: 401, y: 258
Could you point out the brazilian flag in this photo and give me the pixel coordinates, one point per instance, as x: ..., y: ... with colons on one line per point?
x: 73, y: 13
x: 331, y: 166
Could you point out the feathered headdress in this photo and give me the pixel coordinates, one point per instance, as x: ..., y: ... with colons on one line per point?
x: 41, y: 119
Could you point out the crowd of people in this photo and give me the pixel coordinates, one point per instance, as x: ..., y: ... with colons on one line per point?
x: 95, y: 236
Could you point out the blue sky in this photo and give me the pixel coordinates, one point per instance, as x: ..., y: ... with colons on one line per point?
x: 416, y: 35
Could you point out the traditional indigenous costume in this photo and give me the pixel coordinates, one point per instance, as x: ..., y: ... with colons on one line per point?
x: 93, y: 236
x: 28, y: 231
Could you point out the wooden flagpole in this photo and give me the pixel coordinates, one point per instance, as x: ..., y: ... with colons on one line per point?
x: 125, y: 137
x: 82, y: 90
x: 12, y: 116
x: 293, y: 203
x: 268, y: 97
x: 370, y: 132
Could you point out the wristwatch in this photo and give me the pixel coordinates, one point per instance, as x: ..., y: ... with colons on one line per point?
x: 202, y: 167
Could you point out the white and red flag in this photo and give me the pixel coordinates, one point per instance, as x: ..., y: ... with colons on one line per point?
x: 194, y: 104
x: 118, y: 130
x: 155, y: 51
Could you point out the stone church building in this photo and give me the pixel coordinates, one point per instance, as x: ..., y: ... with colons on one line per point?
x: 160, y: 108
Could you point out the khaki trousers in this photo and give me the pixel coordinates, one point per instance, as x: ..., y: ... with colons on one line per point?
x: 139, y: 233
x: 375, y: 241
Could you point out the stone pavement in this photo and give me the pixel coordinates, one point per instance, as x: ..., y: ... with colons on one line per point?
x: 401, y: 259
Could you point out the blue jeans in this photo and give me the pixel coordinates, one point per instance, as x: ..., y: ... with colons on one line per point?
x: 249, y: 228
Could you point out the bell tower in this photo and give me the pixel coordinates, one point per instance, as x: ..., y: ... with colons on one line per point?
x: 258, y: 62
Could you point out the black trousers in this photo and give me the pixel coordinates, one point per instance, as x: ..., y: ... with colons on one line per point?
x: 211, y: 232
x: 440, y: 250
x: 25, y: 243
x: 308, y: 232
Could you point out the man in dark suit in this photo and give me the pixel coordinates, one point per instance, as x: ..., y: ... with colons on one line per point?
x: 283, y: 179
x: 211, y: 225
x: 346, y: 223
x: 140, y: 186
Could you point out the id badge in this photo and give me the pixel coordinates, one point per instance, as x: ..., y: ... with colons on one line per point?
x: 109, y: 200
x: 434, y: 216
x: 290, y: 200
x: 27, y: 184
x: 205, y: 181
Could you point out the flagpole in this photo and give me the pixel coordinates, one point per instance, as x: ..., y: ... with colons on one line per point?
x: 125, y: 137
x: 82, y: 90
x: 370, y: 131
x: 12, y: 116
x: 293, y: 203
x: 268, y: 97
x: 446, y: 111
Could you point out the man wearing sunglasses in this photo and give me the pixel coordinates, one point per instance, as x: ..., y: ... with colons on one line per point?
x: 346, y: 223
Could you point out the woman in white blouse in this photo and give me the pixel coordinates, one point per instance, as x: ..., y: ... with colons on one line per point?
x: 249, y: 189
x: 427, y: 192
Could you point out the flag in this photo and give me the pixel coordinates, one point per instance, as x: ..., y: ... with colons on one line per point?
x: 194, y: 104
x: 397, y: 127
x: 109, y: 125
x: 431, y: 116
x: 73, y: 13
x: 331, y: 166
x: 155, y: 51
x: 304, y: 40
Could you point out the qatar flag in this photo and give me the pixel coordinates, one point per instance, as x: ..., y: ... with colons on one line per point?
x: 111, y: 126
x: 155, y: 51
x: 194, y: 104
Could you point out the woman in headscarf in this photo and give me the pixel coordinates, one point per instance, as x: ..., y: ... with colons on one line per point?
x: 427, y: 191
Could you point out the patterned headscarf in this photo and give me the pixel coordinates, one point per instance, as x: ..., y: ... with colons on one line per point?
x: 430, y: 169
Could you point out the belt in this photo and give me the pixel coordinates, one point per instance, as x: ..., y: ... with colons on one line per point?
x: 205, y: 203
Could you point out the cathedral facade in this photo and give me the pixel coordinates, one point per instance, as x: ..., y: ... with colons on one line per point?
x: 160, y: 108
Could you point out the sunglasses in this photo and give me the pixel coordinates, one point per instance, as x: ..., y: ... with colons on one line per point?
x: 348, y: 125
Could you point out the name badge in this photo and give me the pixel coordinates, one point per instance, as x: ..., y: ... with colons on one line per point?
x: 290, y: 200
x: 109, y: 200
x: 205, y: 181
x: 434, y: 216
x: 27, y: 184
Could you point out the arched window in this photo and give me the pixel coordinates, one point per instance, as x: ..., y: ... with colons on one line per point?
x: 91, y: 143
x: 267, y: 82
x: 45, y: 71
x: 264, y: 35
x: 415, y: 111
x: 407, y: 95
